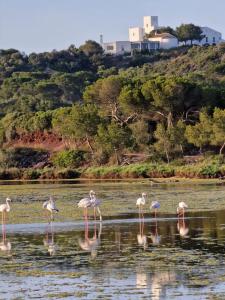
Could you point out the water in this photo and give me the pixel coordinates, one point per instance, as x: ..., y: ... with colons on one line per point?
x: 124, y: 257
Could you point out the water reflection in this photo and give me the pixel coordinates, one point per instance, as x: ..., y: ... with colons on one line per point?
x: 175, y: 266
x: 159, y: 282
x: 182, y: 227
x: 48, y: 240
x: 5, y: 244
x: 141, y: 237
x: 155, y: 237
x: 91, y: 244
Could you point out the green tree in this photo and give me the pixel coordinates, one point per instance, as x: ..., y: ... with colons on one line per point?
x: 163, y: 29
x: 91, y: 48
x: 113, y: 139
x: 200, y: 134
x: 218, y: 129
x: 170, y: 140
x: 189, y: 32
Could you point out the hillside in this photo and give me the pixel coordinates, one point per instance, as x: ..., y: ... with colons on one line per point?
x: 78, y: 108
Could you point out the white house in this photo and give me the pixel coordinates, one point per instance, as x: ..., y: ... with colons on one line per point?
x: 165, y: 40
x: 138, y: 40
x: 211, y: 37
x: 117, y: 47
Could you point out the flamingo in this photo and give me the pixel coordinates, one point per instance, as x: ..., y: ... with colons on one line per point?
x: 141, y: 202
x: 85, y: 203
x: 50, y: 206
x: 155, y: 205
x: 5, y: 208
x: 96, y: 203
x: 181, y: 209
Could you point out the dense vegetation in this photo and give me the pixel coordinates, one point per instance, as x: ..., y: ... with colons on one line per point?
x: 80, y: 108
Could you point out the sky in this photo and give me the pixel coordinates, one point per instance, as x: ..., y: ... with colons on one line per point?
x: 44, y: 25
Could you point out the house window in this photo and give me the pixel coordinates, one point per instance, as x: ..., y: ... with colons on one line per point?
x: 122, y: 48
x: 206, y: 39
x: 214, y: 39
x: 110, y: 47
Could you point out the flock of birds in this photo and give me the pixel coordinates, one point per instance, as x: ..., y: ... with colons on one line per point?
x: 92, y: 202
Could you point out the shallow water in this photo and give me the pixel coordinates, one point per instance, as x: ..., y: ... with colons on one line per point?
x: 124, y: 257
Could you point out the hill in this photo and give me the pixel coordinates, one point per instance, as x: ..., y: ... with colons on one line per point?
x: 78, y: 108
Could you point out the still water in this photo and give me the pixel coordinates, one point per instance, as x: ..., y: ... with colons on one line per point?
x: 123, y: 258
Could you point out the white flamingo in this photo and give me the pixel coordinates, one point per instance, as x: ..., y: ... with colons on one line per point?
x: 155, y: 205
x: 95, y: 203
x: 50, y: 206
x: 85, y: 203
x: 182, y: 206
x: 141, y: 202
x: 5, y: 208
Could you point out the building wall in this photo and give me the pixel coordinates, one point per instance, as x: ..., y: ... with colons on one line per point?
x: 212, y: 37
x: 117, y: 47
x: 150, y: 23
x: 136, y: 34
x: 165, y: 43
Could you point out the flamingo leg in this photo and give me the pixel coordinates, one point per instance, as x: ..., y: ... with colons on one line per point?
x: 100, y: 214
x: 95, y: 214
x: 142, y: 213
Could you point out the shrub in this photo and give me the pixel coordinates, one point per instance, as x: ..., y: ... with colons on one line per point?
x: 69, y: 158
x: 21, y: 157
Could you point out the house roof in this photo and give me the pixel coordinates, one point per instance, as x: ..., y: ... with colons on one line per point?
x: 164, y: 35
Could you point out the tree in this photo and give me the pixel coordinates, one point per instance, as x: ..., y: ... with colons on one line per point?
x: 189, y: 32
x: 200, y: 134
x: 165, y: 29
x: 91, y: 48
x: 114, y: 139
x: 218, y: 129
x: 105, y: 93
x: 170, y: 140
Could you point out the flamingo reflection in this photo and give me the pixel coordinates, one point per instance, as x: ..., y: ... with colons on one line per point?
x: 155, y: 237
x: 141, y: 237
x: 141, y: 280
x: 159, y: 281
x: 91, y: 244
x: 182, y: 227
x: 5, y: 244
x: 48, y: 241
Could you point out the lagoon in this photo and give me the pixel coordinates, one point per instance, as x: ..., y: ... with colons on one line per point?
x: 122, y: 258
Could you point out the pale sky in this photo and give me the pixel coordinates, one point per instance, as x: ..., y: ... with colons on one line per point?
x: 44, y: 25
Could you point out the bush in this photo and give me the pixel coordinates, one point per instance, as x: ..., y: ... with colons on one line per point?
x: 69, y: 158
x: 22, y: 157
x: 10, y: 174
x: 31, y: 174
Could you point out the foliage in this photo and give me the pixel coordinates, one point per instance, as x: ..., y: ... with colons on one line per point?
x: 118, y: 109
x: 69, y: 159
x: 189, y: 32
